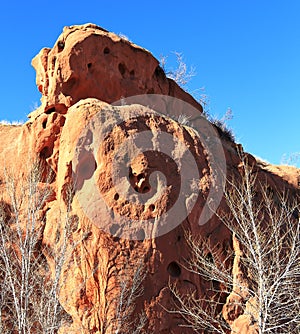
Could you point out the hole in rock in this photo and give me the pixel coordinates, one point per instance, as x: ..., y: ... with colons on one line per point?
x: 146, y: 189
x: 44, y: 124
x: 174, y: 269
x: 62, y: 121
x: 151, y: 207
x: 116, y: 197
x: 53, y: 61
x: 159, y: 72
x: 60, y: 46
x: 122, y: 69
x: 45, y: 152
x: 106, y: 51
x: 50, y: 111
x: 89, y: 65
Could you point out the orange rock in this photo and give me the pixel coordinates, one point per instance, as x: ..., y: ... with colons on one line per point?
x: 88, y: 61
x: 77, y: 136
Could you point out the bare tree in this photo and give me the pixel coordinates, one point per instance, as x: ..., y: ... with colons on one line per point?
x: 119, y: 285
x: 181, y: 74
x: 129, y: 283
x: 29, y: 293
x: 32, y: 272
x: 261, y: 276
x: 292, y: 159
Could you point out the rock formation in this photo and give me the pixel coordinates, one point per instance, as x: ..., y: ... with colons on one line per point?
x: 87, y: 71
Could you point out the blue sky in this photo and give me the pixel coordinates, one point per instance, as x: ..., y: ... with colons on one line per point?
x: 246, y: 55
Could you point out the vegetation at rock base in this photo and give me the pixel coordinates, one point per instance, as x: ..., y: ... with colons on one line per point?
x: 261, y: 287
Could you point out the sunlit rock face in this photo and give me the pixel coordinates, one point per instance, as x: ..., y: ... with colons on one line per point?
x: 111, y: 202
x: 88, y: 61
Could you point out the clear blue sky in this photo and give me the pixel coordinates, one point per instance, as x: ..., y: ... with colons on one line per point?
x: 246, y: 55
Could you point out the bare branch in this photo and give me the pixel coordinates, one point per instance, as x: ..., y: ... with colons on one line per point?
x: 262, y: 282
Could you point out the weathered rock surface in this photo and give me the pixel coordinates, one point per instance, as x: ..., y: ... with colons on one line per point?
x: 85, y: 72
x: 88, y: 61
x: 106, y: 254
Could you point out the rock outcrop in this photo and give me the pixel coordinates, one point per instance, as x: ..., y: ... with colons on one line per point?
x: 88, y: 61
x: 80, y: 78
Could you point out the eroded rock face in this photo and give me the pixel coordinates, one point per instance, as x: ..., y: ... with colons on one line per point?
x: 108, y: 245
x: 160, y: 248
x: 88, y: 61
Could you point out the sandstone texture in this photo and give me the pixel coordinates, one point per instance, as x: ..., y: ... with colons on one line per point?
x: 83, y: 75
x: 88, y: 61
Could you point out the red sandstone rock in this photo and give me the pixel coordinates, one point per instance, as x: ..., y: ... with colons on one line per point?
x: 88, y: 61
x: 87, y: 70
